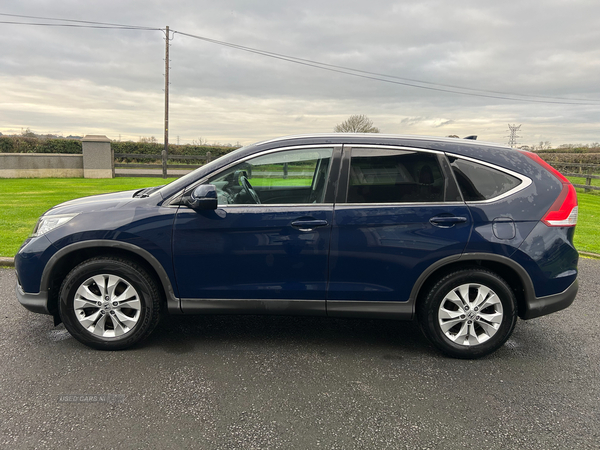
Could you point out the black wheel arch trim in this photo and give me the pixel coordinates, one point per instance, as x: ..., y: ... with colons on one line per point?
x: 529, y: 290
x: 173, y: 303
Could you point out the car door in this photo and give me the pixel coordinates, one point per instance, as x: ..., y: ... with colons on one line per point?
x: 398, y: 211
x: 266, y: 245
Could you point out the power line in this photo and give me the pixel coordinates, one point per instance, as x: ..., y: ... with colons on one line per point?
x: 75, y: 21
x: 419, y: 84
x: 377, y: 77
x: 68, y: 25
x: 264, y: 52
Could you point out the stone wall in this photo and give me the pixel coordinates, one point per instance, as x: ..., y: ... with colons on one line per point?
x: 97, y: 161
x: 40, y: 165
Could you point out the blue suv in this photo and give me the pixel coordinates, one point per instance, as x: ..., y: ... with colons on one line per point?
x: 462, y: 236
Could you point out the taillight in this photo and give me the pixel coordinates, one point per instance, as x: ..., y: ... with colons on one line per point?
x: 563, y: 212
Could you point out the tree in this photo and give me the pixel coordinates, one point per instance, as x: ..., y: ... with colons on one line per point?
x: 356, y: 124
x: 27, y: 133
x: 543, y: 145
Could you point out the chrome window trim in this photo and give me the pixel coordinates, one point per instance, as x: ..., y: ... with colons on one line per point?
x: 417, y: 204
x: 273, y: 205
x: 525, y: 181
x: 394, y: 147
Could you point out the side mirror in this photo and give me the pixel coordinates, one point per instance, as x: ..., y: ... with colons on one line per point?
x: 203, y: 197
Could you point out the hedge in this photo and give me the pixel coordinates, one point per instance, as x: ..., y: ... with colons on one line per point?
x: 20, y: 144
x: 570, y: 150
x: 156, y: 149
x: 578, y: 158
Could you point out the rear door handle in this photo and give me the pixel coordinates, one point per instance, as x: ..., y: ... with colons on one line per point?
x: 309, y: 225
x: 446, y: 221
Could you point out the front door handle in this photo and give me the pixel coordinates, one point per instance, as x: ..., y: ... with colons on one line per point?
x: 446, y: 221
x: 309, y: 225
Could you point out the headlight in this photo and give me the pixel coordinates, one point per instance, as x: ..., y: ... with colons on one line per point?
x: 48, y: 223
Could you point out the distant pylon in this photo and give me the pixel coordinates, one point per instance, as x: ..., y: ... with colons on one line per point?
x: 512, y: 139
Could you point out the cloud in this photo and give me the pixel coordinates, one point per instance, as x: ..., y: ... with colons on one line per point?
x: 442, y: 122
x: 111, y: 81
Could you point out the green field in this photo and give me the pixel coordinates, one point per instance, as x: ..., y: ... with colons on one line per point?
x: 24, y: 200
x: 587, y: 232
x: 581, y: 180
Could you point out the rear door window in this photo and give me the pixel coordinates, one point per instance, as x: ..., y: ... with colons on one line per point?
x: 394, y: 176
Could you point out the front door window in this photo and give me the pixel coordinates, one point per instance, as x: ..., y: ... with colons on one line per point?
x: 291, y: 176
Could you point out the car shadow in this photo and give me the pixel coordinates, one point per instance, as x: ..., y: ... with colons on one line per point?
x: 184, y: 334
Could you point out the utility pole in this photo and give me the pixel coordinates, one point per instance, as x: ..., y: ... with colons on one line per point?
x: 165, y: 152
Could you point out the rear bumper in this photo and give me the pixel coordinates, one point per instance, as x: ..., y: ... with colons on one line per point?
x: 37, y: 303
x: 540, y: 306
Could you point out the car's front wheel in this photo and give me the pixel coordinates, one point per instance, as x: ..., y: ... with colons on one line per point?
x: 468, y: 313
x: 109, y: 303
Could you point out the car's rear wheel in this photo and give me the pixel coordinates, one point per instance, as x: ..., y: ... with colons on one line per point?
x: 109, y: 303
x: 468, y: 313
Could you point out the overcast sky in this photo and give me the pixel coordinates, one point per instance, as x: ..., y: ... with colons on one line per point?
x: 110, y: 81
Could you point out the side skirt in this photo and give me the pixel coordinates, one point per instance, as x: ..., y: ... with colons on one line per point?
x: 276, y: 307
x: 332, y: 308
x: 370, y: 309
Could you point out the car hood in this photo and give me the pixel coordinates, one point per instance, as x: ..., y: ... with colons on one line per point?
x: 94, y: 203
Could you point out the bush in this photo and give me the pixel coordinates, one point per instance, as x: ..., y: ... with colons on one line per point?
x: 579, y: 158
x: 21, y: 144
x: 570, y: 150
x: 153, y: 148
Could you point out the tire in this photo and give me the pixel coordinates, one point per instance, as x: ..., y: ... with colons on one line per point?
x: 468, y: 314
x: 109, y: 303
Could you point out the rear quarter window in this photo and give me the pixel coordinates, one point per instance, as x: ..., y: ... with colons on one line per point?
x: 479, y: 182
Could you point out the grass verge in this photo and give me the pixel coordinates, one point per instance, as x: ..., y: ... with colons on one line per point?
x: 587, y: 232
x: 23, y: 200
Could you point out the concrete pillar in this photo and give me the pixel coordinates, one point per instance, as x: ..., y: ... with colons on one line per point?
x: 98, y: 157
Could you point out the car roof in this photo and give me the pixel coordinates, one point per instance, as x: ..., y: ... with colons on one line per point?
x: 466, y: 147
x: 374, y: 138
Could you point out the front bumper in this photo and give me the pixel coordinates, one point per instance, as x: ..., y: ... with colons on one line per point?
x: 540, y: 306
x: 37, y: 303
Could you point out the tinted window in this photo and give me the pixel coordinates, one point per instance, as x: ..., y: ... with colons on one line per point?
x: 390, y: 176
x: 292, y: 176
x: 479, y: 182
